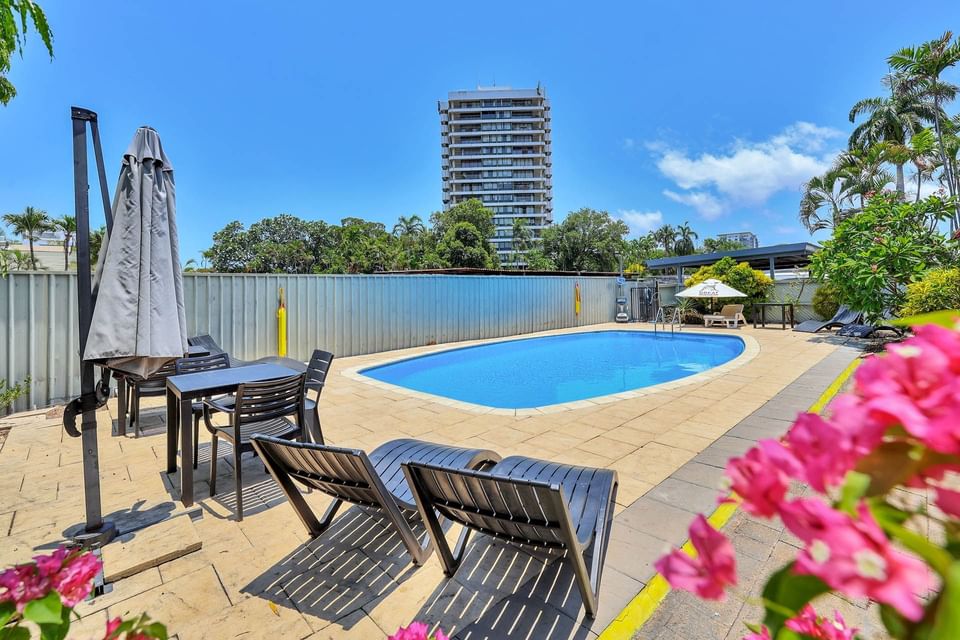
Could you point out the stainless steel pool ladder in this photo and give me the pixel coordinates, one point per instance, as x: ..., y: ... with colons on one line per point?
x: 661, y: 318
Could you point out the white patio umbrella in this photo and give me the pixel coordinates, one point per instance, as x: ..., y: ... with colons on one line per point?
x: 711, y: 288
x: 139, y: 322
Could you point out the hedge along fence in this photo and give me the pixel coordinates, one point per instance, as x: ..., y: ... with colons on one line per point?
x: 346, y: 314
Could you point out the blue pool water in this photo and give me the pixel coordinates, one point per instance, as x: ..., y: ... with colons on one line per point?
x: 535, y: 372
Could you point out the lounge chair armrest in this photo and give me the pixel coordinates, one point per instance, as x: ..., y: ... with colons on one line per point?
x: 214, y: 404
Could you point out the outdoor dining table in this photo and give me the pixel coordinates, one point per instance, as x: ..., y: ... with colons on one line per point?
x: 760, y: 313
x: 183, y: 389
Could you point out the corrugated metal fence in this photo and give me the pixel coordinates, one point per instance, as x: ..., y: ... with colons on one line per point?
x: 349, y: 315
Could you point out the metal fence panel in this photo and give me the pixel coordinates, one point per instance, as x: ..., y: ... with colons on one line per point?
x: 346, y: 314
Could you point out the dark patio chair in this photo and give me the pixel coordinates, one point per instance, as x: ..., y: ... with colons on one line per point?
x: 526, y: 501
x: 151, y: 386
x: 199, y: 364
x: 349, y: 475
x: 261, y: 408
x: 206, y: 340
x: 317, y: 370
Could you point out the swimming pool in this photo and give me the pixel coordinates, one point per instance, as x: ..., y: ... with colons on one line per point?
x: 536, y: 372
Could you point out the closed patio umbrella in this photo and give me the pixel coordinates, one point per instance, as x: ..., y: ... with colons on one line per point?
x: 139, y: 322
x: 133, y: 316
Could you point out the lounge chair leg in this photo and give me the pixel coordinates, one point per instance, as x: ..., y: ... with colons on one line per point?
x: 435, y: 535
x: 237, y: 475
x: 213, y: 464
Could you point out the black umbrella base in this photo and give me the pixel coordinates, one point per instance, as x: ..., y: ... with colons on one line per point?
x: 92, y: 538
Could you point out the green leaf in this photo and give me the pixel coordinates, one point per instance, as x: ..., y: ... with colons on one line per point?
x: 895, y: 624
x: 46, y: 610
x: 943, y: 318
x: 15, y: 633
x: 946, y: 624
x: 157, y: 630
x: 785, y: 594
x: 855, y: 486
x: 7, y: 609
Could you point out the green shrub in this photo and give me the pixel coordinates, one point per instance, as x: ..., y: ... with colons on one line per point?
x: 937, y: 290
x: 756, y: 284
x: 826, y: 300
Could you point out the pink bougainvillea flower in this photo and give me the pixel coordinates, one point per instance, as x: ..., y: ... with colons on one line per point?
x: 761, y: 477
x: 112, y: 626
x: 69, y: 573
x: 418, y: 631
x: 23, y: 584
x: 816, y: 627
x: 763, y: 635
x: 710, y: 572
x: 827, y: 449
x: 917, y: 385
x: 852, y: 555
x: 948, y: 501
x: 74, y: 581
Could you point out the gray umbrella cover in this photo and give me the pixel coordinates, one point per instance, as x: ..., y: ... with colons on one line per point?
x: 139, y: 321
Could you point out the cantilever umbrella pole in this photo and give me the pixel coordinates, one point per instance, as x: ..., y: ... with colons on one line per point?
x: 96, y: 531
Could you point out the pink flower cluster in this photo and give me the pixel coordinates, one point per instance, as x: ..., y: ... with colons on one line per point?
x: 812, y: 626
x: 854, y: 556
x: 113, y: 632
x: 417, y: 631
x: 707, y: 574
x: 68, y: 572
x: 913, y: 392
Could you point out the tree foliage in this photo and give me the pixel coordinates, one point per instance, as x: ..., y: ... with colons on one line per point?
x: 876, y: 253
x: 937, y: 290
x: 29, y: 224
x: 15, y: 19
x: 739, y: 275
x: 586, y: 240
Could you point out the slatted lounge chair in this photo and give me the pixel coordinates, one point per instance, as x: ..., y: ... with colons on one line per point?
x: 526, y: 501
x: 197, y: 364
x: 317, y: 370
x: 258, y: 408
x: 154, y: 385
x: 842, y: 317
x: 729, y: 314
x: 349, y: 475
x: 866, y: 330
x: 206, y: 340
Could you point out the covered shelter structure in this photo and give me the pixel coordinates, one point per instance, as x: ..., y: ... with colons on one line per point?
x: 778, y: 256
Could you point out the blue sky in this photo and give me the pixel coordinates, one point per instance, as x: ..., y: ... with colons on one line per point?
x: 671, y: 111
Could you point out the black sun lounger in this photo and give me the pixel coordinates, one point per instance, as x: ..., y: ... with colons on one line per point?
x: 841, y: 318
x: 526, y: 501
x: 865, y: 330
x: 349, y: 475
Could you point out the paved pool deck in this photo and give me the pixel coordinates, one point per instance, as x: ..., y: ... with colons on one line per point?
x: 265, y: 577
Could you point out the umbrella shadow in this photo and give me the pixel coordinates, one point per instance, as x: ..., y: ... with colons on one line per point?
x: 357, y: 561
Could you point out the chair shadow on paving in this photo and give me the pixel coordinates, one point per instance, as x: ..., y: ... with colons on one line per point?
x: 500, y: 591
x: 357, y: 561
x: 504, y: 591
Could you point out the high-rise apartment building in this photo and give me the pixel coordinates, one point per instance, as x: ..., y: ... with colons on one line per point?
x: 746, y: 238
x: 495, y: 146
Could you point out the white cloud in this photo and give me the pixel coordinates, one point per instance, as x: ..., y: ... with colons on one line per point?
x: 748, y: 173
x: 785, y: 230
x: 640, y: 222
x: 706, y: 204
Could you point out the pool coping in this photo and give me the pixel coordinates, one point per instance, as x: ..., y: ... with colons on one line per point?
x: 751, y: 349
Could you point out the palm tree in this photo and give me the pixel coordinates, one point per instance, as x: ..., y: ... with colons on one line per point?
x: 685, y: 240
x: 922, y: 66
x: 832, y: 190
x: 19, y: 260
x: 863, y: 171
x: 28, y: 224
x: 665, y: 236
x: 522, y: 241
x: 409, y: 226
x: 892, y: 119
x: 67, y: 224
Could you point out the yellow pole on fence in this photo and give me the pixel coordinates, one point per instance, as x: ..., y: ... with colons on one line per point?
x: 282, y: 327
